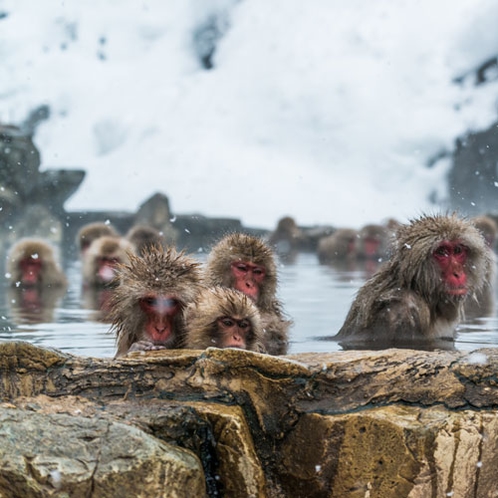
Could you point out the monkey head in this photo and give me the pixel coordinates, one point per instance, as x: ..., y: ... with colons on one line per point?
x: 442, y: 255
x: 223, y: 317
x: 147, y: 305
x: 246, y: 263
x: 31, y: 262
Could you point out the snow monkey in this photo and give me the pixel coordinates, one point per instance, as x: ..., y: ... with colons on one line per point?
x: 101, y: 259
x: 146, y: 308
x: 419, y: 294
x: 144, y: 236
x: 91, y: 231
x: 246, y: 263
x: 223, y: 318
x: 32, y: 262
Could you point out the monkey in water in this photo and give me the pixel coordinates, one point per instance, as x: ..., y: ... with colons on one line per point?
x: 223, y: 318
x: 144, y: 236
x: 101, y: 259
x: 32, y: 262
x: 37, y: 282
x: 246, y: 263
x: 91, y: 231
x: 418, y: 295
x: 146, y: 308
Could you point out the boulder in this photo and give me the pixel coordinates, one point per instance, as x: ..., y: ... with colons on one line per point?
x: 393, y: 423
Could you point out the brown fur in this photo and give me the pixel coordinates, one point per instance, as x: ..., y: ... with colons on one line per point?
x: 405, y: 300
x: 105, y: 246
x: 251, y: 249
x: 159, y: 272
x: 216, y: 302
x: 286, y: 239
x: 143, y: 237
x: 91, y: 231
x: 488, y: 227
x: 339, y: 246
x: 378, y: 233
x: 51, y: 272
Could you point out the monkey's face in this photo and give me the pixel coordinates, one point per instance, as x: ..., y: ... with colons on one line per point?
x: 31, y: 270
x: 106, y: 268
x: 248, y: 278
x: 232, y: 332
x: 160, y: 312
x: 451, y: 258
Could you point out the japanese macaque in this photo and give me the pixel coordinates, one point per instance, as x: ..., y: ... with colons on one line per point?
x: 32, y: 262
x: 488, y: 227
x: 91, y: 231
x: 246, y: 263
x: 143, y: 237
x: 482, y: 304
x: 37, y: 282
x: 342, y: 245
x: 146, y: 308
x: 102, y: 258
x: 223, y: 318
x: 286, y: 239
x: 373, y: 242
x: 419, y: 294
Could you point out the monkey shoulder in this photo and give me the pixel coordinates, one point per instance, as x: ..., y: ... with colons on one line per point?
x: 275, y: 333
x: 391, y: 317
x: 400, y: 315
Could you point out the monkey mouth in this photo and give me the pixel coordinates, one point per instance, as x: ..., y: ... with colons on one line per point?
x: 457, y: 291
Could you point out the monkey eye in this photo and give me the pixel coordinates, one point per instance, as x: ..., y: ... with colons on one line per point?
x: 241, y: 267
x: 442, y: 251
x: 244, y: 324
x: 257, y: 271
x: 110, y: 261
x: 227, y: 322
x: 149, y: 301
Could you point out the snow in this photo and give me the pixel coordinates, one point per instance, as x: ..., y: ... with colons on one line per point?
x: 325, y: 111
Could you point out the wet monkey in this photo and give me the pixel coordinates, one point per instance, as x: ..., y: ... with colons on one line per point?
x: 419, y: 293
x: 32, y: 262
x: 91, y: 231
x: 146, y: 308
x: 246, y: 263
x: 223, y: 318
x: 342, y: 245
x: 144, y: 237
x: 101, y: 259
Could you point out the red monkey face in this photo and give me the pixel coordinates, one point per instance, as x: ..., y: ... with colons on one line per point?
x: 248, y: 278
x: 451, y: 258
x: 234, y: 332
x: 106, y: 269
x: 30, y: 270
x: 160, y: 312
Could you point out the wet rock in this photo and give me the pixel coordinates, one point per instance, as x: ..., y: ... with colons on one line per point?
x: 393, y: 423
x: 64, y: 455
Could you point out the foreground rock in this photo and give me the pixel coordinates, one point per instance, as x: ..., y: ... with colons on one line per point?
x: 394, y: 423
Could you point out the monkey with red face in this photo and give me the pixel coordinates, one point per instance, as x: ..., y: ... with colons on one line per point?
x: 32, y: 263
x: 101, y: 259
x: 223, y: 318
x: 418, y: 295
x: 246, y: 263
x: 146, y: 308
x: 91, y: 231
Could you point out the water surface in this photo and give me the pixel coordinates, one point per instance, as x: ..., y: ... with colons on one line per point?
x: 316, y: 297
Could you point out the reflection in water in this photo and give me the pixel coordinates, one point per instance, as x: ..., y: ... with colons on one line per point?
x: 34, y: 304
x: 317, y: 298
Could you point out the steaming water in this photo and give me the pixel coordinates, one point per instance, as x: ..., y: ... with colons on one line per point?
x: 316, y: 297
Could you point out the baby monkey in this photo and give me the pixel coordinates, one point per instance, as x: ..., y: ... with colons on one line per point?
x: 223, y: 318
